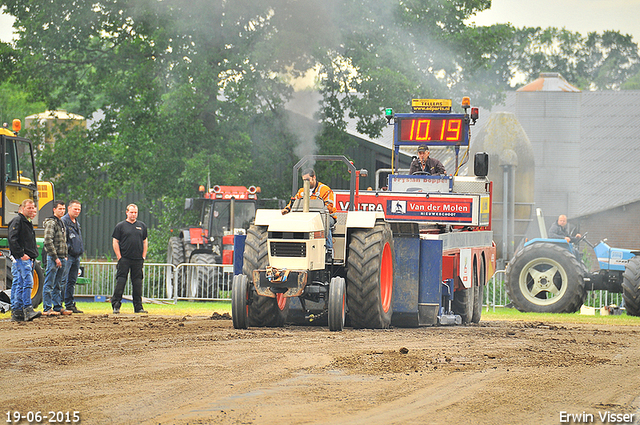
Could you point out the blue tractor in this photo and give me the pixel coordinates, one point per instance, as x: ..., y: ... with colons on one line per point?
x: 548, y: 275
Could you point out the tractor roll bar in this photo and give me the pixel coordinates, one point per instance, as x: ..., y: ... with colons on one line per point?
x: 338, y: 158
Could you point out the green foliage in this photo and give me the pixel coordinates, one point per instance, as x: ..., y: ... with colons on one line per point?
x: 593, y: 62
x: 632, y: 83
x: 181, y: 92
x: 14, y: 103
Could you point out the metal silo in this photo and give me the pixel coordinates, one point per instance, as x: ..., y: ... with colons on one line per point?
x: 512, y: 170
x: 549, y: 111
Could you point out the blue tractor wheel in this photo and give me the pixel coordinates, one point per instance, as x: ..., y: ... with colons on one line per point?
x: 546, y: 278
x: 631, y: 287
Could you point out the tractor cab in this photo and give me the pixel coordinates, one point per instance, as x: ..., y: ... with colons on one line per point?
x: 225, y: 211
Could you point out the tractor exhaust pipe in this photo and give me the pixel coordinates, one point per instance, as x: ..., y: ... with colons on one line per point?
x: 306, y: 196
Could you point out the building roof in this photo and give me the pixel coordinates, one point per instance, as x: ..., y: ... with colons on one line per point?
x: 59, y: 114
x: 549, y: 81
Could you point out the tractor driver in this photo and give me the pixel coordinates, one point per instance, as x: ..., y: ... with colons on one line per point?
x: 562, y: 230
x: 426, y: 165
x: 317, y: 191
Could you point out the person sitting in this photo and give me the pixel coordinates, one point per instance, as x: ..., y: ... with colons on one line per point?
x: 425, y: 165
x: 317, y: 190
x: 562, y: 230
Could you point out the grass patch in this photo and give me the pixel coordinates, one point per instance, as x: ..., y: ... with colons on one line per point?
x: 503, y: 313
x: 198, y: 308
x: 182, y: 308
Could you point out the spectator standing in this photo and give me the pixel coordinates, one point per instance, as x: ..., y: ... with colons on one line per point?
x: 55, y: 247
x: 75, y: 249
x: 22, y: 244
x: 130, y: 246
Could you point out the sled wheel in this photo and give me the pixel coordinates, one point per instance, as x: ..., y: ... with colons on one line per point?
x: 463, y: 302
x: 478, y: 295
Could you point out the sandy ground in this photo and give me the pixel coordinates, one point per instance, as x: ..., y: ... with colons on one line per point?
x: 132, y: 369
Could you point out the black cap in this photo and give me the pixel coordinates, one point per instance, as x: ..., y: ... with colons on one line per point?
x: 423, y: 148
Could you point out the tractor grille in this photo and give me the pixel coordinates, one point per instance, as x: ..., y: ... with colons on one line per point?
x: 288, y: 249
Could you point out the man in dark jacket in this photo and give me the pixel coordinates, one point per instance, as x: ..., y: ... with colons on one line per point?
x: 425, y: 165
x: 562, y: 230
x: 75, y: 249
x: 22, y: 244
x: 55, y: 246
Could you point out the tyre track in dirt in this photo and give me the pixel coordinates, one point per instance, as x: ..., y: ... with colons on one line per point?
x: 194, y: 370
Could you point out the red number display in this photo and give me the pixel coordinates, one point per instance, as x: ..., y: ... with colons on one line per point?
x: 431, y: 130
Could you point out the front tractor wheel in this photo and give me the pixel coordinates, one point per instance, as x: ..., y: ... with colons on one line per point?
x: 337, y: 304
x: 370, y: 277
x: 263, y: 311
x: 631, y: 287
x: 545, y: 278
x: 239, y: 298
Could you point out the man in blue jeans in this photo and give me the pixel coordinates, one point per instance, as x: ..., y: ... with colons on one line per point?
x: 55, y: 246
x: 75, y: 248
x: 22, y: 244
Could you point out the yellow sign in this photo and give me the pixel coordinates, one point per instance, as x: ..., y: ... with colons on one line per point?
x: 431, y: 105
x: 484, y: 210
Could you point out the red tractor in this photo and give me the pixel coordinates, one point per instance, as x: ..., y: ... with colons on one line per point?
x: 225, y: 211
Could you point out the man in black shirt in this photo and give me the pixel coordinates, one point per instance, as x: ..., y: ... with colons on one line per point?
x: 130, y: 246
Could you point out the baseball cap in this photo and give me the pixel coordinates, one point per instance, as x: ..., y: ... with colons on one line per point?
x: 423, y: 148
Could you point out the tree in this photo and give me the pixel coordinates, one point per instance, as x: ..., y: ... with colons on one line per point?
x: 14, y: 103
x: 595, y: 62
x: 180, y: 91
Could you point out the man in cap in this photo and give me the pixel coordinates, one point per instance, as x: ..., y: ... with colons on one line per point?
x: 425, y: 165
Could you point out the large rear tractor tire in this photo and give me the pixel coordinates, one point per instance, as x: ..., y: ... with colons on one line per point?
x: 205, y: 277
x: 337, y: 304
x: 262, y: 311
x: 631, y: 287
x: 370, y: 277
x: 175, y: 256
x: 239, y: 299
x: 545, y: 278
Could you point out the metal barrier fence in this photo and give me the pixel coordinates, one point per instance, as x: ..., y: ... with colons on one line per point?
x: 212, y: 282
x: 161, y: 281
x: 202, y: 282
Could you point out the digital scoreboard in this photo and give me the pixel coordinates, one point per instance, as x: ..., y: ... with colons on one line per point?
x: 431, y: 130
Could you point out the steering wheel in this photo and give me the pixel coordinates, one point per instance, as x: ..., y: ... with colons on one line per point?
x: 581, y: 238
x: 421, y: 173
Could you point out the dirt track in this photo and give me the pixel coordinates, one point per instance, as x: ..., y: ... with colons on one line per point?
x: 170, y: 370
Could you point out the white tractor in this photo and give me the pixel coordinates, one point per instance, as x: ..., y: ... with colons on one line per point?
x: 286, y: 269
